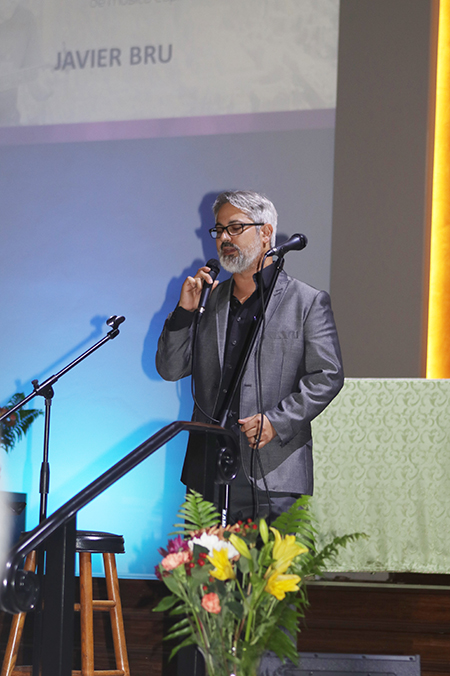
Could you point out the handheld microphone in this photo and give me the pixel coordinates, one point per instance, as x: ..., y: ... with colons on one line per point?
x: 214, y: 266
x: 294, y: 243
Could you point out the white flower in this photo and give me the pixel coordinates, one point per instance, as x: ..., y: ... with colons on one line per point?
x: 211, y: 542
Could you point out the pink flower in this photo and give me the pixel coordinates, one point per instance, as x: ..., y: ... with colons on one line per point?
x: 172, y: 561
x: 174, y: 546
x: 211, y: 603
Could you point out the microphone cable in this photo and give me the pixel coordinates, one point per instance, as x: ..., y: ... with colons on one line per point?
x: 255, y: 456
x: 193, y: 352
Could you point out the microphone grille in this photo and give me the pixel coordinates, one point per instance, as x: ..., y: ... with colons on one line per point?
x: 213, y: 263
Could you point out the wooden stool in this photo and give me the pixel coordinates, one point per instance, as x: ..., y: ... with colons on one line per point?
x: 87, y: 543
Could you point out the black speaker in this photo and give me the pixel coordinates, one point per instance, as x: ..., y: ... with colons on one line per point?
x: 334, y: 664
x: 316, y: 664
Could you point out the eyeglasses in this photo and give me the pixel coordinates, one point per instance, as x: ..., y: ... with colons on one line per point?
x: 233, y: 229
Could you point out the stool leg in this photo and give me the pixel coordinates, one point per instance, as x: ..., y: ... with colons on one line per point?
x: 86, y: 615
x: 17, y: 624
x: 118, y: 631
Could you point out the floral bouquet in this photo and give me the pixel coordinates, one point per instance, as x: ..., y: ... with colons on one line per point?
x: 240, y: 590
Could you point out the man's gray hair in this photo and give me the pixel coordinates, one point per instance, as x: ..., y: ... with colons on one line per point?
x: 255, y: 205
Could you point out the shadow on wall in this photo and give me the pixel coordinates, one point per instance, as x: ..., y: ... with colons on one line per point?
x: 98, y: 323
x: 173, y: 490
x: 173, y: 291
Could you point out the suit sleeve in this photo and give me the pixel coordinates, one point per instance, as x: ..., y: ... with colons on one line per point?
x: 319, y: 375
x: 174, y: 354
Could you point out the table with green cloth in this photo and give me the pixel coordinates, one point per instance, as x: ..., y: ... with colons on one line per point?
x: 382, y: 467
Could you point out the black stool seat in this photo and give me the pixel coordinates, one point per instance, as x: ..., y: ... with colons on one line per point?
x: 96, y: 542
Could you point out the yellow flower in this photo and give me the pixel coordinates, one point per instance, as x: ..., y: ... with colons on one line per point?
x: 264, y: 531
x: 285, y: 550
x: 278, y: 585
x: 223, y: 570
x: 241, y: 546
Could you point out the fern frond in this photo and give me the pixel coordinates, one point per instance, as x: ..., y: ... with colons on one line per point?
x: 315, y: 565
x: 197, y: 513
x: 15, y: 426
x: 299, y: 520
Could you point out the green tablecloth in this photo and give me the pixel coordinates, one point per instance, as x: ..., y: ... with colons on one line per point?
x: 382, y: 467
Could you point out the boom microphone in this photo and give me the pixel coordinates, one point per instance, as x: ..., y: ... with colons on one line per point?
x: 214, y: 266
x: 294, y: 243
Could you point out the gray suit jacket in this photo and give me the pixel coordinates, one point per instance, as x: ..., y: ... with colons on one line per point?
x: 301, y: 372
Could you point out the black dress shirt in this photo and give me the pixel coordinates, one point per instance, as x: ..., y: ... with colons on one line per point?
x: 241, y: 316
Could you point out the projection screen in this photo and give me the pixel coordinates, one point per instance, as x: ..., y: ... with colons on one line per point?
x: 120, y: 121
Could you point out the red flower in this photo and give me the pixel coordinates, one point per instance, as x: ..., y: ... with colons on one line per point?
x: 211, y: 603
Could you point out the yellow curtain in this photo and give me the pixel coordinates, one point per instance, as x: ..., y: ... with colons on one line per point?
x: 438, y: 344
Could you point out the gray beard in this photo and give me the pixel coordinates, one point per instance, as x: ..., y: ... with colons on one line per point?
x: 242, y: 261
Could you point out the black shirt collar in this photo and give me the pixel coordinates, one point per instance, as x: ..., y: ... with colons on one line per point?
x: 267, y: 276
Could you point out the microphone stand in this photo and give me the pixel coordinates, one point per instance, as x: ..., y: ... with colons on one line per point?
x: 222, y: 415
x: 45, y: 390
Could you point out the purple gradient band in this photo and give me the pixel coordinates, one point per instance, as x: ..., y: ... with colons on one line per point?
x: 182, y: 126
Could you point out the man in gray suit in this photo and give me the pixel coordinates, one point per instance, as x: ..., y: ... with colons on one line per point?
x: 297, y: 374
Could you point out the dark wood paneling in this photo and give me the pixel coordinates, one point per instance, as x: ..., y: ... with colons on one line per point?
x: 341, y: 619
x: 380, y: 621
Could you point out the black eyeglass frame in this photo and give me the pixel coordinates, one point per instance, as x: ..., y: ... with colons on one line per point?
x: 214, y: 231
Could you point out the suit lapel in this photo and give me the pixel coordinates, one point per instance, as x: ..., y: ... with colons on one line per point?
x: 223, y: 306
x: 277, y: 295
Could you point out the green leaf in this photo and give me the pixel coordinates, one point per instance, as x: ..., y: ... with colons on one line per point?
x: 172, y: 584
x: 265, y: 555
x: 288, y: 619
x: 181, y: 624
x: 236, y: 608
x: 200, y: 574
x: 197, y: 514
x: 255, y: 555
x: 199, y: 549
x: 258, y: 584
x: 244, y: 565
x: 182, y: 609
x: 283, y: 645
x: 165, y: 604
x: 187, y: 641
x: 172, y: 635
